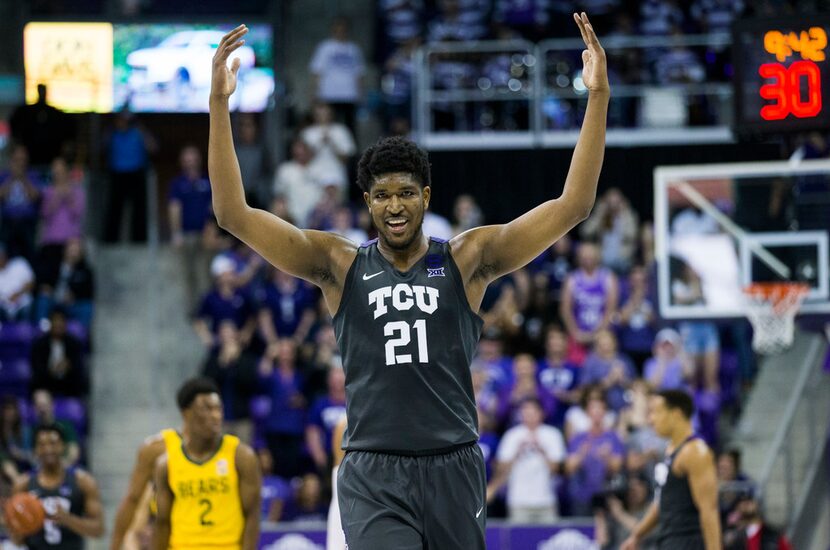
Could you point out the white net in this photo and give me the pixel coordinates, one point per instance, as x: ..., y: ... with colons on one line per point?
x: 771, y: 309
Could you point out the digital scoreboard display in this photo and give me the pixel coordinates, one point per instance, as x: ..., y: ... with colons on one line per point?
x: 782, y: 75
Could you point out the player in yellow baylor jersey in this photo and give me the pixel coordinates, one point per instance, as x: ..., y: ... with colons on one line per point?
x: 207, y: 484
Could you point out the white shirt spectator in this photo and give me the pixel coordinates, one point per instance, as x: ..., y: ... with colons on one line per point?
x: 301, y: 187
x: 530, y: 483
x: 14, y: 276
x: 694, y: 222
x: 330, y: 143
x: 339, y: 65
x: 436, y: 225
x: 578, y: 421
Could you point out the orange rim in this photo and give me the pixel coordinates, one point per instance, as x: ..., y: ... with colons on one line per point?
x: 777, y: 292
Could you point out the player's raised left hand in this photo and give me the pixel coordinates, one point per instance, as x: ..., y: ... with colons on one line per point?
x: 223, y: 81
x: 594, y: 68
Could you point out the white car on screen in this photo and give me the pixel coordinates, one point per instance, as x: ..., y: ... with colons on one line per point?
x: 183, y: 58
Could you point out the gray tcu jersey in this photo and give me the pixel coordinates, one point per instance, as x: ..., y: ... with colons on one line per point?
x: 407, y: 340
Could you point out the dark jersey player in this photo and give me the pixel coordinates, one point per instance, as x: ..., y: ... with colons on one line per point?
x: 685, y: 506
x: 405, y: 315
x: 69, y: 496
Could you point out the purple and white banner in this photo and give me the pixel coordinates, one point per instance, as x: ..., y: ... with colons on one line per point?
x: 500, y: 536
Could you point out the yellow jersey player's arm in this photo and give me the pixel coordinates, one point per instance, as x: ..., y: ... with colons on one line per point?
x: 485, y: 253
x: 142, y: 475
x: 698, y: 464
x: 141, y: 519
x: 318, y: 257
x: 250, y: 485
x: 164, y: 505
x: 91, y: 524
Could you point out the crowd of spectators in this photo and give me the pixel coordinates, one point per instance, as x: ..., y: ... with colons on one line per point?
x: 46, y: 288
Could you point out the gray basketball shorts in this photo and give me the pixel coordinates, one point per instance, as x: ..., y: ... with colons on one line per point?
x: 434, y: 502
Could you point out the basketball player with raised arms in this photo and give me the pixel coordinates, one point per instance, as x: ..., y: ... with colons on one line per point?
x: 404, y: 309
x: 207, y: 484
x: 685, y: 505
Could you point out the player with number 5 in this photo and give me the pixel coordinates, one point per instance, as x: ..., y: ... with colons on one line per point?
x: 405, y: 315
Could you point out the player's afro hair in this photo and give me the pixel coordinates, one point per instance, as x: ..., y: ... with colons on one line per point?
x: 393, y: 155
x: 193, y: 388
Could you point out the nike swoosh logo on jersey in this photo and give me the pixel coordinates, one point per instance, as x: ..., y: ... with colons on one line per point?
x: 479, y: 511
x: 366, y: 277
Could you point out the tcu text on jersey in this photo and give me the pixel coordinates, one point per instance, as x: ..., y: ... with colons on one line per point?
x: 403, y: 297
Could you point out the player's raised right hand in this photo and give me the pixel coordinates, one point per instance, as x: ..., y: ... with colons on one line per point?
x: 223, y: 81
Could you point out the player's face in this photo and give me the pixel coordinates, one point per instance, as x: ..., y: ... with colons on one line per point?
x: 659, y: 416
x: 49, y: 449
x: 397, y: 204
x: 205, y: 416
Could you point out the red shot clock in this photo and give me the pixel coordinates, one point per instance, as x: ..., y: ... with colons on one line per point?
x: 782, y: 75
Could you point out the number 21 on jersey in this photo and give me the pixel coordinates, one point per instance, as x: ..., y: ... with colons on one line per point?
x: 403, y: 333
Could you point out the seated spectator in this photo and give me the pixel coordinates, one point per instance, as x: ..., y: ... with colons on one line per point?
x: 558, y: 376
x: 732, y: 482
x: 489, y: 402
x: 17, y: 280
x: 614, y: 224
x: 528, y: 459
x: 189, y: 211
x: 322, y: 215
x: 490, y: 356
x: 45, y: 416
x: 503, y: 302
x: 716, y: 15
x: 644, y: 448
x: 248, y: 265
x: 747, y: 529
x: 401, y: 21
x: 618, y: 518
x: 235, y: 372
x: 636, y: 320
x: 15, y: 434
x: 659, y: 17
x: 594, y: 457
x: 276, y: 491
x: 466, y: 214
x: 530, y: 18
x: 701, y: 340
x: 488, y: 441
x: 333, y: 146
x: 255, y: 165
x: 286, y: 308
x: 589, y: 301
x: 397, y: 81
x: 343, y: 225
x: 285, y: 425
x: 70, y: 284
x: 455, y: 23
x: 666, y: 369
x: 298, y: 183
x: 325, y: 413
x: 609, y: 368
x: 19, y: 198
x: 338, y: 70
x: 526, y: 385
x: 306, y: 504
x: 225, y: 302
x: 577, y: 419
x: 679, y: 65
x: 57, y: 360
x: 62, y: 211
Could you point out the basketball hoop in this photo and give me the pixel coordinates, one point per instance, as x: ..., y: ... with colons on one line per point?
x: 771, y: 308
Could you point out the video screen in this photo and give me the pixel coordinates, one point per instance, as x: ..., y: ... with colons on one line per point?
x: 167, y: 67
x: 74, y: 61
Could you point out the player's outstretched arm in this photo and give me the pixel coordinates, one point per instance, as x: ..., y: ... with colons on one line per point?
x: 142, y: 474
x: 495, y: 250
x: 250, y: 484
x: 318, y: 257
x: 164, y: 505
x: 699, y: 465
